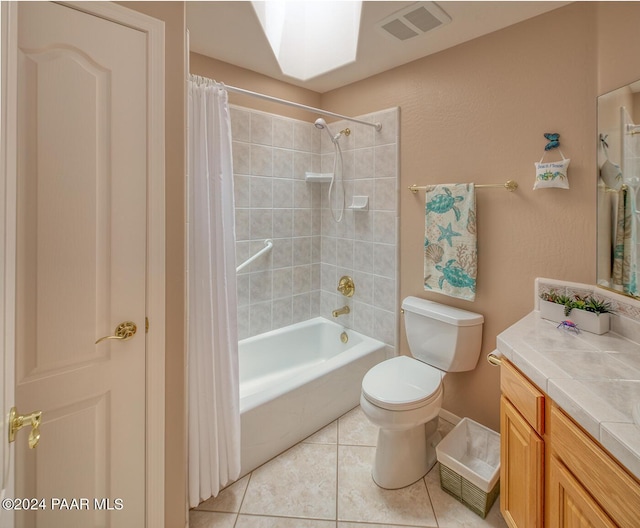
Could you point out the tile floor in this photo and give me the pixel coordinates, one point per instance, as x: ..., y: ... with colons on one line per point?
x: 325, y: 482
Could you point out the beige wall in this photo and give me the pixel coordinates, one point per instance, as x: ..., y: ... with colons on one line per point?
x: 477, y: 112
x: 174, y: 17
x: 248, y: 80
x: 618, y: 37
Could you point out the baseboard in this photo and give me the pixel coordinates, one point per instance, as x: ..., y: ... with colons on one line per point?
x: 449, y: 417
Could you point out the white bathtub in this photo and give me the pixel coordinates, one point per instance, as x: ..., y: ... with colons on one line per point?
x: 296, y: 380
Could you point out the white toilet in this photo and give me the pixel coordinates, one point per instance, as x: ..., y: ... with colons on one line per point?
x: 403, y: 395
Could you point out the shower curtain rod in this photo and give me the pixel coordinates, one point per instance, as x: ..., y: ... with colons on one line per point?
x: 198, y: 78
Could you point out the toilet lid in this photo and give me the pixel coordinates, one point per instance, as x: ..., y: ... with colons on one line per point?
x: 402, y: 383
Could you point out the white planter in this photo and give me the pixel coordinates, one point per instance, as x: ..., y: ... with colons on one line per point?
x: 587, y: 321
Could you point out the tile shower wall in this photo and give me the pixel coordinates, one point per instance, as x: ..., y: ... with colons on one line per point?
x: 364, y: 244
x: 297, y: 280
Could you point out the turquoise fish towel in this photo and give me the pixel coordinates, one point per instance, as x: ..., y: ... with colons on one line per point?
x: 450, y: 245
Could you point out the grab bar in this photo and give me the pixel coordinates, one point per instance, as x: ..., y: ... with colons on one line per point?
x: 268, y: 244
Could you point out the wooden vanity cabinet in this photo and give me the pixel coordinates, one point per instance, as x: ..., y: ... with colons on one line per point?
x: 552, y: 472
x: 522, y: 450
x: 570, y: 504
x: 603, y: 492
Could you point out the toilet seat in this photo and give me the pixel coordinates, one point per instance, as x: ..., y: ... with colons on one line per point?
x: 402, y: 383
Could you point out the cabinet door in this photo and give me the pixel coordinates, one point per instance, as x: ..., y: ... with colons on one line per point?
x: 609, y: 484
x: 570, y: 506
x: 521, y: 470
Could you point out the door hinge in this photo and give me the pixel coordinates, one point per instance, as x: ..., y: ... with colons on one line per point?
x: 146, y: 325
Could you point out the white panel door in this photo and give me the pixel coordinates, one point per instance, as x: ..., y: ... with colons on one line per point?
x: 81, y: 261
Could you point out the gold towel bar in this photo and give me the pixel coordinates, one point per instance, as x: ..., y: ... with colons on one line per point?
x: 509, y: 186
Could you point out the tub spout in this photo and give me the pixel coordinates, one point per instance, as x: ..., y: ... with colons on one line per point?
x: 341, y: 311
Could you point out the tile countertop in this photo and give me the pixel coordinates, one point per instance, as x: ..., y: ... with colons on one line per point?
x: 593, y: 378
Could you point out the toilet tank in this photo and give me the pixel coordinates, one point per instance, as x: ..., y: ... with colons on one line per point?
x: 445, y: 337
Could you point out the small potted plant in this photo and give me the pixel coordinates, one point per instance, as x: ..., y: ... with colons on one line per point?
x: 588, y: 313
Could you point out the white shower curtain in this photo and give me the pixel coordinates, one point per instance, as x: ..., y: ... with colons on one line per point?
x: 214, y: 413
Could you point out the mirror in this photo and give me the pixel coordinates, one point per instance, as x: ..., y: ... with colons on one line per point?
x: 618, y: 237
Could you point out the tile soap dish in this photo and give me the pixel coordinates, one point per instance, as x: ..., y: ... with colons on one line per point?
x: 360, y: 203
x: 318, y: 177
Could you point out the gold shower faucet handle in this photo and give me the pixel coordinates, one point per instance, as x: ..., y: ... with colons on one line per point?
x: 346, y: 286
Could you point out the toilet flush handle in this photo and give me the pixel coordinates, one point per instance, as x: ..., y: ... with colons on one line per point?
x: 494, y: 360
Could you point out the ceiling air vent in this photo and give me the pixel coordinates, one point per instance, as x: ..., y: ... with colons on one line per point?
x: 414, y: 20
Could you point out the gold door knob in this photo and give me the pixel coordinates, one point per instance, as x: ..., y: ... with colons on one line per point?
x: 123, y: 332
x: 18, y: 421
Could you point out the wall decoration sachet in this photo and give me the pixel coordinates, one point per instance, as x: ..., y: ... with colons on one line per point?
x: 450, y: 244
x: 552, y: 173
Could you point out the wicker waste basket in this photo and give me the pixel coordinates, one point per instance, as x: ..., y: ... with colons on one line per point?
x: 469, y: 459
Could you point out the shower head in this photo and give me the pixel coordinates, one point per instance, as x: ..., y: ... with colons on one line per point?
x: 322, y: 124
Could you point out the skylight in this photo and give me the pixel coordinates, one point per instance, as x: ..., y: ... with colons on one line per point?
x: 310, y: 37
